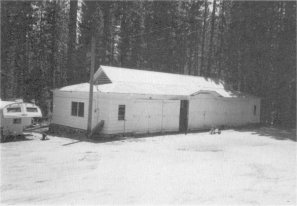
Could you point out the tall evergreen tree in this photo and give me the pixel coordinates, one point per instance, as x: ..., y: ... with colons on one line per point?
x: 72, y: 30
x: 251, y: 45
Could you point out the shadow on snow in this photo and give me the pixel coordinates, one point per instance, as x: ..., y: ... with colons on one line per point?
x: 272, y: 132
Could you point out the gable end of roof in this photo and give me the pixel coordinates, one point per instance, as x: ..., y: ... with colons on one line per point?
x: 100, y: 77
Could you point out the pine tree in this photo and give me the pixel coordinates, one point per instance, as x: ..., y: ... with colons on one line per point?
x: 72, y: 30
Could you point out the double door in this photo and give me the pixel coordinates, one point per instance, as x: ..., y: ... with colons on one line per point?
x: 155, y: 116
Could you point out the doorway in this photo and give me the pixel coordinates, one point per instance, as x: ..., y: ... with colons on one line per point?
x: 183, y: 115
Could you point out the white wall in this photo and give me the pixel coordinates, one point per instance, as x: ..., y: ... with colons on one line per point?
x: 207, y: 111
x: 171, y: 110
x: 26, y: 121
x: 62, y: 109
x: 9, y: 128
x: 114, y: 125
x: 101, y: 109
x: 143, y: 115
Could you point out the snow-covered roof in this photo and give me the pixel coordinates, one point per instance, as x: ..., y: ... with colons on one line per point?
x: 5, y: 103
x: 131, y: 81
x: 83, y: 87
x: 118, y: 74
x: 8, y: 109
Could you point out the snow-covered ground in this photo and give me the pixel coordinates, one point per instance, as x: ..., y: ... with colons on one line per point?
x: 236, y: 167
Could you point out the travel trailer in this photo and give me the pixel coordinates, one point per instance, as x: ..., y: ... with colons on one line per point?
x: 15, y: 116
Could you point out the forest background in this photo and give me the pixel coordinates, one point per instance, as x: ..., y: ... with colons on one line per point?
x: 251, y: 45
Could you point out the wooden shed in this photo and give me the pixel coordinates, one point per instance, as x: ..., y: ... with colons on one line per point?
x: 138, y: 101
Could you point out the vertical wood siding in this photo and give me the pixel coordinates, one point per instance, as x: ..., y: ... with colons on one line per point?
x: 144, y: 115
x: 62, y: 109
x: 206, y: 112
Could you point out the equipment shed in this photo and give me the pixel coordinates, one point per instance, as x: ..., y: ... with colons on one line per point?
x: 138, y: 101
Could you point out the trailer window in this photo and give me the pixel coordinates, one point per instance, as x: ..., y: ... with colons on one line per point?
x: 13, y: 109
x: 77, y: 109
x: 17, y: 121
x: 255, y: 110
x: 121, y: 112
x: 32, y: 109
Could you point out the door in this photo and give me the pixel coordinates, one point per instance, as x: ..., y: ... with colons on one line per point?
x: 147, y: 116
x: 183, y: 115
x: 154, y: 110
x: 170, y: 118
x: 140, y: 117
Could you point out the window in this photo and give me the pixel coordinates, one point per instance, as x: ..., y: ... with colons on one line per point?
x: 81, y: 109
x: 74, y: 108
x: 17, y: 121
x: 77, y: 109
x: 121, y: 113
x: 13, y: 109
x: 31, y: 109
x: 255, y: 110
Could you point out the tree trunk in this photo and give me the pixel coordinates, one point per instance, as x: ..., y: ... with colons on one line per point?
x: 53, y: 63
x: 124, y: 42
x: 208, y: 70
x: 221, y: 47
x: 203, y: 36
x: 106, y: 33
x: 71, y: 41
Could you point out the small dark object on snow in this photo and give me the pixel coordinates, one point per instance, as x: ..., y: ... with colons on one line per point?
x: 214, y: 130
x: 44, y: 136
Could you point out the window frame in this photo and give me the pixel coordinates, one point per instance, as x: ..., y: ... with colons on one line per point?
x: 77, y: 109
x: 17, y: 121
x: 31, y: 109
x: 122, y: 112
x: 14, y: 109
x: 74, y: 108
x: 81, y: 109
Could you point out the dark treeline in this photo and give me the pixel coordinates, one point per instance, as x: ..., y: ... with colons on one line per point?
x: 250, y: 45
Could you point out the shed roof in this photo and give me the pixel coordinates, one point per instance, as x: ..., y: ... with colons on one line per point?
x: 131, y: 81
x: 118, y: 74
